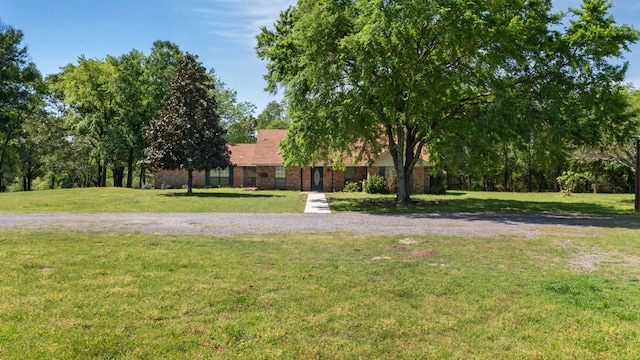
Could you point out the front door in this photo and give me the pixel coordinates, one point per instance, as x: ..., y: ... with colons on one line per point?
x: 316, y: 179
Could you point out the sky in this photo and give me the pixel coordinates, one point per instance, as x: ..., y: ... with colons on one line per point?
x: 221, y: 32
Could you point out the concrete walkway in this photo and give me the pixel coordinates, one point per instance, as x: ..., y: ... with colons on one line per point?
x: 317, y: 204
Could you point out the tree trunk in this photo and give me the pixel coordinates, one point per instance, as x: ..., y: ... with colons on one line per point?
x: 190, y: 182
x: 103, y: 177
x: 29, y: 177
x: 99, y: 182
x: 4, y: 151
x: 130, y: 169
x: 402, y: 193
x: 118, y: 176
x: 530, y: 174
x: 143, y: 178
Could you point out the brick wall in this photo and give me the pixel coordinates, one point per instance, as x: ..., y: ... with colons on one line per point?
x: 176, y: 179
x: 238, y: 176
x: 306, y: 179
x: 337, y: 180
x: 361, y: 173
x: 266, y: 177
x: 419, y: 174
x: 292, y: 178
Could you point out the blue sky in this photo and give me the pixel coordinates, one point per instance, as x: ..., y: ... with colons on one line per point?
x: 221, y: 32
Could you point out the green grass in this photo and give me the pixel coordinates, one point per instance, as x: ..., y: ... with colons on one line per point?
x: 69, y: 295
x: 459, y: 201
x: 119, y: 200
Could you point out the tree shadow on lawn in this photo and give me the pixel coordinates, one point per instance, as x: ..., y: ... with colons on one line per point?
x: 502, y: 211
x: 226, y: 195
x: 631, y: 222
x: 453, y: 205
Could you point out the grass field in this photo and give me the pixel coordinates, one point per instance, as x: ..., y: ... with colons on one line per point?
x: 70, y: 295
x: 119, y: 200
x: 474, y: 201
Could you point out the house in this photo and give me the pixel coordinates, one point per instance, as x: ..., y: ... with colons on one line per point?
x: 260, y: 166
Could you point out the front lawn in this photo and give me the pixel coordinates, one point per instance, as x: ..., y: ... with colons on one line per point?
x: 474, y: 201
x: 567, y: 295
x: 119, y: 200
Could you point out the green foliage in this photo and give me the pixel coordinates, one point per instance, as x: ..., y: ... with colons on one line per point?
x: 375, y: 184
x: 188, y: 135
x: 236, y: 117
x: 352, y: 186
x: 274, y: 116
x: 20, y: 98
x: 473, y: 81
x: 569, y: 180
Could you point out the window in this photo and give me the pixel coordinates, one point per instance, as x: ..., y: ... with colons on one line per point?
x: 280, y: 177
x: 350, y: 174
x: 219, y: 177
x: 249, y: 176
x: 387, y: 172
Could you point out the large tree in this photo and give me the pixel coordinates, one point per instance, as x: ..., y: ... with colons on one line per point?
x: 188, y: 134
x: 89, y: 89
x: 367, y: 76
x: 19, y: 95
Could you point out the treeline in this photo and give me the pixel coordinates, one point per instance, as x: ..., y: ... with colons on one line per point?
x: 84, y: 126
x: 547, y: 162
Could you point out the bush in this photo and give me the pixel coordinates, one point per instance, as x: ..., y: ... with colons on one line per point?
x: 569, y: 180
x: 352, y: 186
x: 375, y: 185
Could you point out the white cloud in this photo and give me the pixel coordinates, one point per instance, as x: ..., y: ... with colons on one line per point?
x: 240, y: 20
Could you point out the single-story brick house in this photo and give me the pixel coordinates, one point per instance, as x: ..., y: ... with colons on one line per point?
x: 260, y: 166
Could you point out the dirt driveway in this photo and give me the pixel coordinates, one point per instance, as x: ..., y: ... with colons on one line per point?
x: 458, y: 224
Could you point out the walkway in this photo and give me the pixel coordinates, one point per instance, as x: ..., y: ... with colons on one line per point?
x: 317, y: 204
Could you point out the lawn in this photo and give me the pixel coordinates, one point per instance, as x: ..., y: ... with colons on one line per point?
x: 474, y: 201
x: 566, y: 295
x: 119, y: 200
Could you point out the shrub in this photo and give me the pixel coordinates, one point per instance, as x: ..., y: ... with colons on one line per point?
x: 352, y: 186
x: 375, y: 185
x: 569, y: 180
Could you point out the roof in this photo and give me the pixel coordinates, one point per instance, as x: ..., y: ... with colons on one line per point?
x: 267, y: 147
x: 242, y: 154
x: 266, y: 152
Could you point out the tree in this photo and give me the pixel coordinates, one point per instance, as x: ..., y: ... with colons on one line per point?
x: 89, y: 89
x: 134, y: 104
x: 367, y: 76
x: 18, y: 91
x: 274, y: 116
x: 236, y: 117
x: 188, y: 135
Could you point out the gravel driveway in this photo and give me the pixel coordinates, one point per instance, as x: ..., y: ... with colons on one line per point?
x: 458, y: 224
